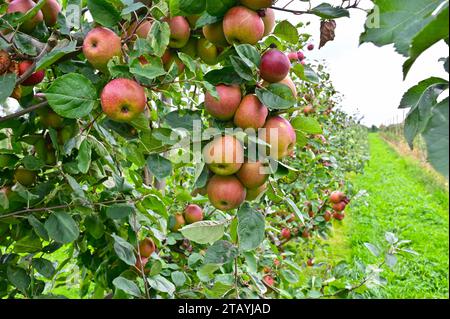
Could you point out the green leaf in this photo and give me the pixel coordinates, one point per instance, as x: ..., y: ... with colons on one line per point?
x: 94, y: 226
x: 159, y: 37
x: 61, y: 227
x: 221, y: 252
x: 286, y: 31
x: 296, y: 210
x: 33, y: 163
x: 183, y: 119
x: 153, y: 69
x: 159, y: 166
x: 28, y: 244
x: 435, y: 31
x: 104, y: 12
x: 32, y: 12
x: 18, y: 277
x: 72, y: 96
x: 192, y: 6
x: 308, y: 125
x: 276, y: 96
x: 7, y: 85
x: 327, y: 11
x: 127, y: 286
x: 61, y: 49
x: 373, y: 249
x: 420, y: 99
x: 226, y: 75
x: 310, y: 75
x: 118, y: 211
x: 251, y: 228
x: 178, y: 278
x: 24, y: 44
x: 206, y: 272
x: 436, y: 138
x: 218, y: 8
x: 249, y: 55
x: 398, y: 22
x: 205, y: 19
x: 289, y: 276
x: 204, y: 232
x: 84, y: 156
x: 241, y: 68
x: 38, y: 227
x: 124, y: 250
x: 44, y: 267
x: 161, y: 284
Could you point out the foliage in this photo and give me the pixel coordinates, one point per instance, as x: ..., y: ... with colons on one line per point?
x: 413, y: 27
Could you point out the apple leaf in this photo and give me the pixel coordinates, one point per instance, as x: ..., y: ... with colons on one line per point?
x: 124, y: 250
x: 150, y: 70
x: 204, y: 232
x: 398, y: 22
x: 72, y: 96
x: 308, y: 125
x: 159, y: 166
x: 436, y: 137
x: 104, y: 12
x: 161, y: 284
x: 119, y: 211
x: 221, y: 252
x: 435, y: 31
x: 226, y: 75
x: 249, y: 55
x: 7, y: 85
x: 192, y: 6
x: 127, y: 286
x: 327, y: 11
x: 159, y: 37
x: 286, y: 31
x: 218, y: 8
x: 61, y: 227
x: 276, y: 97
x: 61, y: 49
x: 44, y: 267
x: 251, y: 227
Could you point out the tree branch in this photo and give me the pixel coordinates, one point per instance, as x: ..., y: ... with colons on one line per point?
x: 23, y: 112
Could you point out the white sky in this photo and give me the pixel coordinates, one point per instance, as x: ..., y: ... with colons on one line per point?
x: 369, y: 77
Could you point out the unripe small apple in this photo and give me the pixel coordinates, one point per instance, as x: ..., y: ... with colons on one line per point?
x: 147, y: 247
x: 310, y: 47
x: 310, y: 262
x: 25, y: 177
x: 193, y: 213
x: 207, y: 51
x: 214, y: 34
x: 300, y: 56
x: 285, y: 233
x: 34, y: 78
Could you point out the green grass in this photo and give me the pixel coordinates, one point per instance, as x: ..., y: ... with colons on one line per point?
x: 406, y: 200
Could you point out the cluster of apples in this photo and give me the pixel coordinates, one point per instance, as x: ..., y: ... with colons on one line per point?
x: 339, y: 202
x: 191, y: 214
x: 48, y: 13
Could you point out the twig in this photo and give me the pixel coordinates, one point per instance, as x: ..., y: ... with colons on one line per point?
x: 23, y: 112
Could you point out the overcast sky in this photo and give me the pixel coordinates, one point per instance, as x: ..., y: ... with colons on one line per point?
x: 369, y: 77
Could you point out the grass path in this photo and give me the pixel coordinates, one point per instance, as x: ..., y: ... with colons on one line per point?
x: 405, y: 200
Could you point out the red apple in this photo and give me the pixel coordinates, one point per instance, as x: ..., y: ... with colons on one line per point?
x: 274, y: 66
x: 251, y: 113
x: 281, y: 136
x: 34, y: 78
x: 225, y: 192
x: 147, y: 247
x: 242, y: 25
x: 123, y: 100
x: 179, y: 31
x: 225, y: 107
x: 224, y: 155
x: 268, y: 18
x: 253, y: 174
x: 285, y: 233
x: 193, y: 213
x: 23, y: 6
x: 100, y: 46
